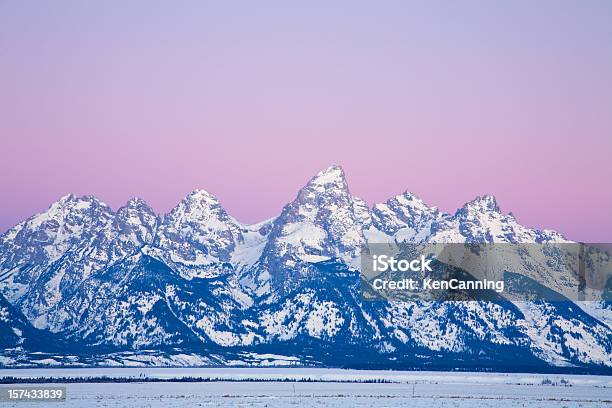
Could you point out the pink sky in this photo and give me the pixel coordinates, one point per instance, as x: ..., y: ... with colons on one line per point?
x: 251, y: 100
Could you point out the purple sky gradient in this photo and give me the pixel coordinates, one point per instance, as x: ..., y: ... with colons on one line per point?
x: 248, y: 100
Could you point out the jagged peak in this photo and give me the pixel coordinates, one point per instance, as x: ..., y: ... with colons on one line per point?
x: 63, y: 207
x: 409, y: 198
x: 199, y: 206
x: 198, y: 200
x: 203, y: 196
x: 136, y: 203
x: 332, y: 175
x: 481, y: 203
x: 329, y: 185
x: 72, y: 202
x: 67, y: 198
x: 72, y: 198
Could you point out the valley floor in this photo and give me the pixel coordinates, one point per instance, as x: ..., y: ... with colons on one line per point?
x: 269, y: 388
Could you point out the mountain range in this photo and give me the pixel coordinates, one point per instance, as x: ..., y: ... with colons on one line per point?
x: 83, y: 285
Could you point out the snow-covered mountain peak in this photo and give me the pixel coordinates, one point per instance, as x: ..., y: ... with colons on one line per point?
x: 327, y: 191
x: 66, y: 198
x: 325, y: 208
x: 330, y: 177
x: 485, y: 203
x: 55, y: 246
x: 405, y: 216
x: 198, y: 231
x: 136, y: 202
x: 410, y: 200
x: 136, y: 221
x: 323, y: 222
x: 481, y: 220
x: 70, y: 200
x: 202, y: 196
x: 69, y: 216
x: 200, y: 207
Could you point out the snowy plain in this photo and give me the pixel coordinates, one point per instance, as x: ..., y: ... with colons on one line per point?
x: 268, y: 387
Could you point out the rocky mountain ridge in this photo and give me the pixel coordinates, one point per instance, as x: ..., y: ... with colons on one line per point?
x: 196, y: 282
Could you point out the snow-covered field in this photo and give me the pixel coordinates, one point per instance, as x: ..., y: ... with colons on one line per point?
x: 415, y: 389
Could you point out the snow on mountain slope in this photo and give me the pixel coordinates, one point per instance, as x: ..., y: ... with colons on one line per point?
x: 197, y: 232
x: 323, y: 222
x: 248, y: 252
x: 405, y: 218
x: 482, y: 221
x: 136, y: 225
x: 46, y: 258
x: 45, y: 238
x: 14, y: 327
x: 197, y: 282
x: 562, y: 334
x: 142, y: 303
x: 18, y: 335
